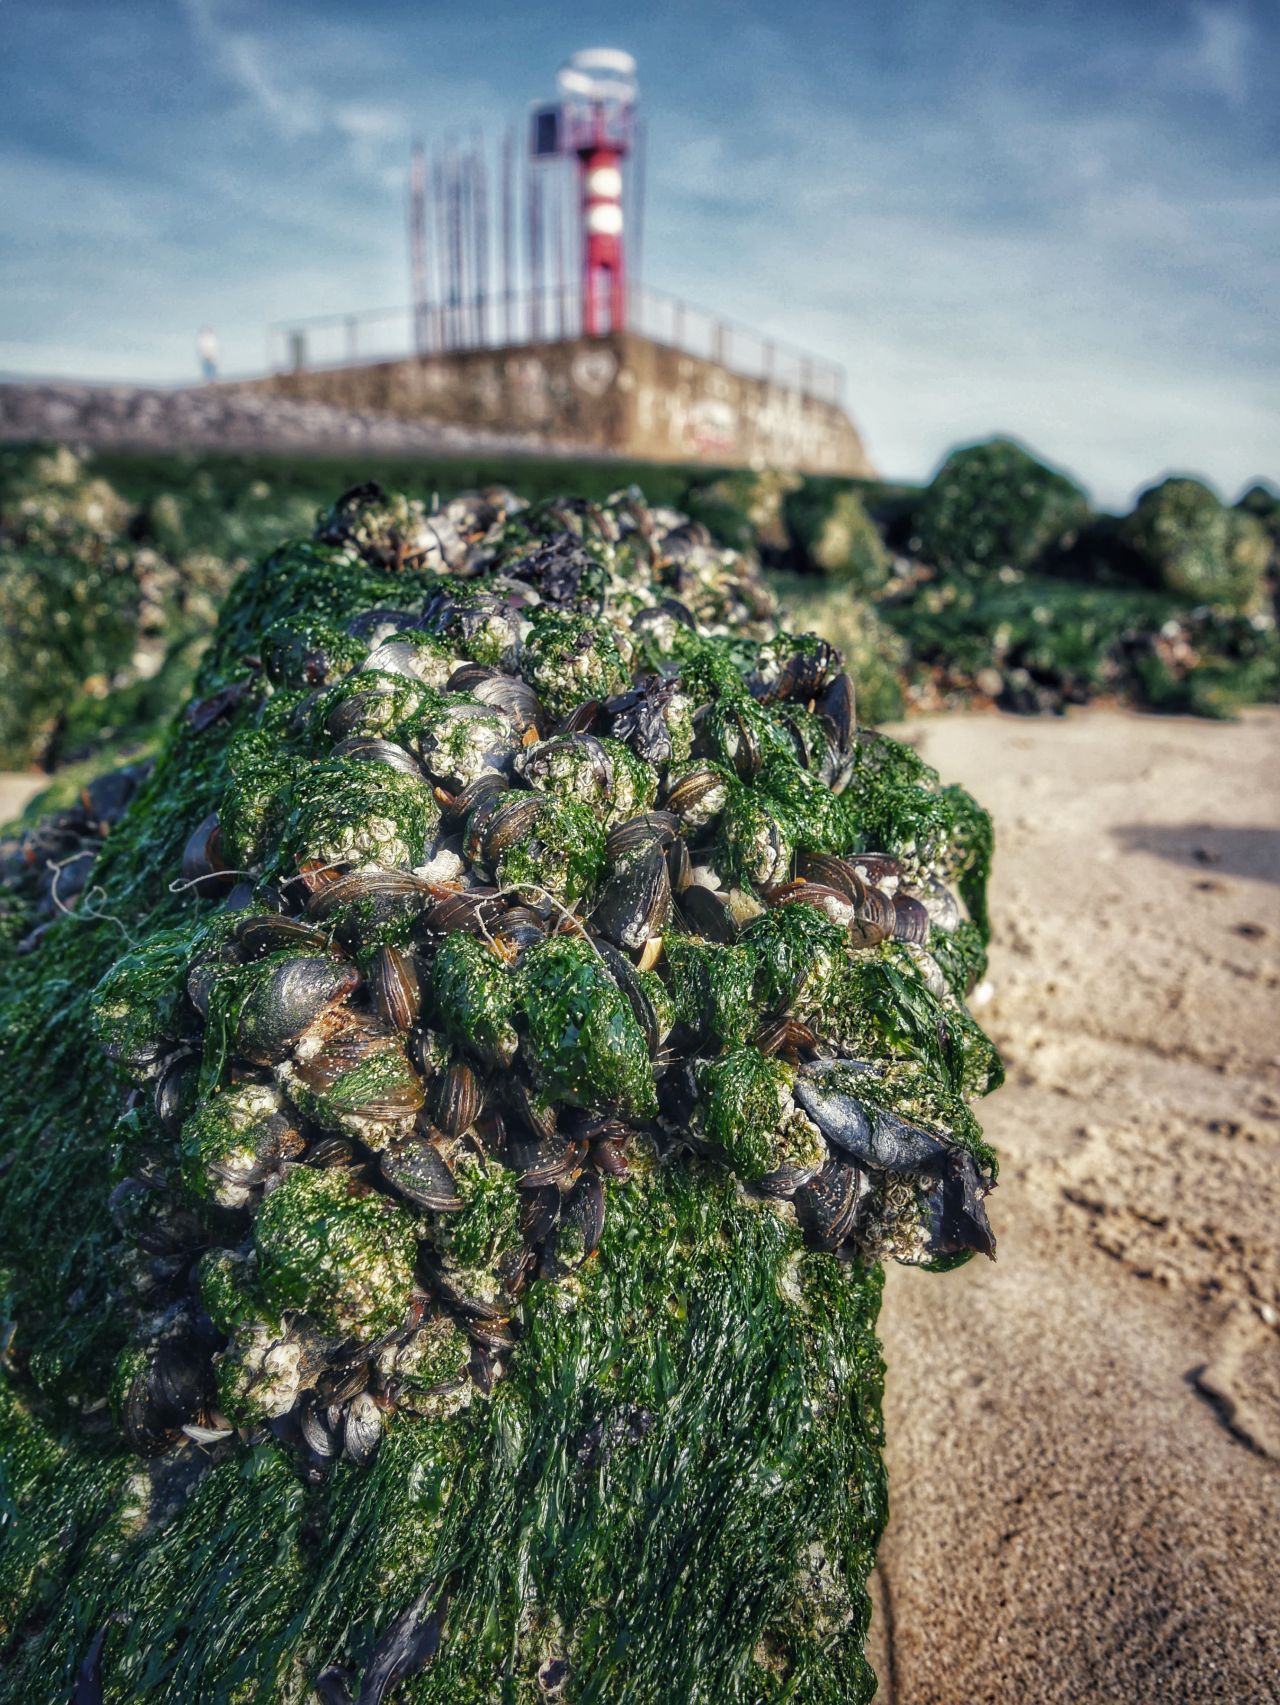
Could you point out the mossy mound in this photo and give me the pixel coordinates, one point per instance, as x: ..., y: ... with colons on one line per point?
x: 832, y: 534
x: 1188, y: 543
x: 994, y: 506
x: 482, y: 1269
x: 99, y: 626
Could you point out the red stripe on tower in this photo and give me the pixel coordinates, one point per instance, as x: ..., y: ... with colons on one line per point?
x: 598, y: 93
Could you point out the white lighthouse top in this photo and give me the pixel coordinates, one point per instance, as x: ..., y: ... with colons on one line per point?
x: 598, y: 74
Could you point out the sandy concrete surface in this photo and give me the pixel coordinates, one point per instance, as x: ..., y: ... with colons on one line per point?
x: 1084, y: 1438
x: 16, y: 788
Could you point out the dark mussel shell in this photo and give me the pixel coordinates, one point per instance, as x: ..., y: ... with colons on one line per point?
x: 832, y: 872
x: 370, y: 749
x: 415, y: 1168
x: 472, y: 909
x: 911, y: 920
x: 635, y: 902
x: 875, y: 868
x: 828, y: 1204
x: 624, y: 974
x: 401, y: 657
x: 637, y: 717
x: 509, y: 824
x: 707, y: 914
x: 459, y: 1099
x: 698, y: 795
x: 740, y: 739
x: 328, y: 1153
x: 536, y: 763
x: 541, y: 1117
x: 373, y: 706
x: 649, y: 828
x: 288, y: 1002
x: 805, y: 673
x: 175, y: 1087
x: 873, y: 920
x: 172, y: 1387
x: 784, y: 1181
x: 378, y: 896
x: 786, y: 1036
x: 582, y: 719
x: 361, y: 1039
x: 495, y: 1335
x: 551, y: 1159
x: 318, y: 1435
x: 518, y: 929
x: 581, y: 1224
x: 956, y: 1217
x: 539, y: 1212
x: 679, y: 866
x: 941, y: 905
x: 874, y: 1136
x: 831, y: 902
x: 362, y: 1430
x: 396, y: 986
x: 457, y: 807
x: 837, y: 710
x: 513, y: 697
x: 268, y: 932
x: 203, y: 864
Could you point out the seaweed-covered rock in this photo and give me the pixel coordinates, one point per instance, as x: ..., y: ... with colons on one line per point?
x: 993, y: 506
x: 746, y: 509
x: 97, y: 627
x: 832, y: 534
x: 461, y: 1137
x: 1189, y: 543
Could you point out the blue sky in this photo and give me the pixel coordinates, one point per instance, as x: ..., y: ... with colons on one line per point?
x: 1057, y: 220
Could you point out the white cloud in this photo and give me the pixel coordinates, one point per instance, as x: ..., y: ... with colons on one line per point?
x: 293, y: 111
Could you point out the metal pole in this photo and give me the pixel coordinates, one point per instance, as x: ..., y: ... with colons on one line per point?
x: 462, y: 182
x: 508, y: 149
x: 441, y: 250
x: 534, y: 197
x: 459, y: 252
x: 557, y: 210
x: 635, y: 218
x: 482, y: 240
x: 418, y: 244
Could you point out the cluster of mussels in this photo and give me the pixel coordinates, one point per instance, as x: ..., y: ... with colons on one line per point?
x: 44, y: 868
x: 527, y: 882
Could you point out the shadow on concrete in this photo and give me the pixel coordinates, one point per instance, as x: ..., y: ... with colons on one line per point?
x: 1212, y: 847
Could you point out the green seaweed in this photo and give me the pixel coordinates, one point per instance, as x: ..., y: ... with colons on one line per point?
x: 343, y: 1258
x: 585, y: 1045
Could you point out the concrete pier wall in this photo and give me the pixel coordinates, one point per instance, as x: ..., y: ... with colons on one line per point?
x: 621, y: 393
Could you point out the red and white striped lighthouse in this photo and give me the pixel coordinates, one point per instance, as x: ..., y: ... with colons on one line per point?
x: 598, y: 94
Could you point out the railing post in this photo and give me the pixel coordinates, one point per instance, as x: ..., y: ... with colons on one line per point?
x: 297, y: 351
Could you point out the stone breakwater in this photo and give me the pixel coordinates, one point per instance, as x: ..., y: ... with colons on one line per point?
x: 223, y: 417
